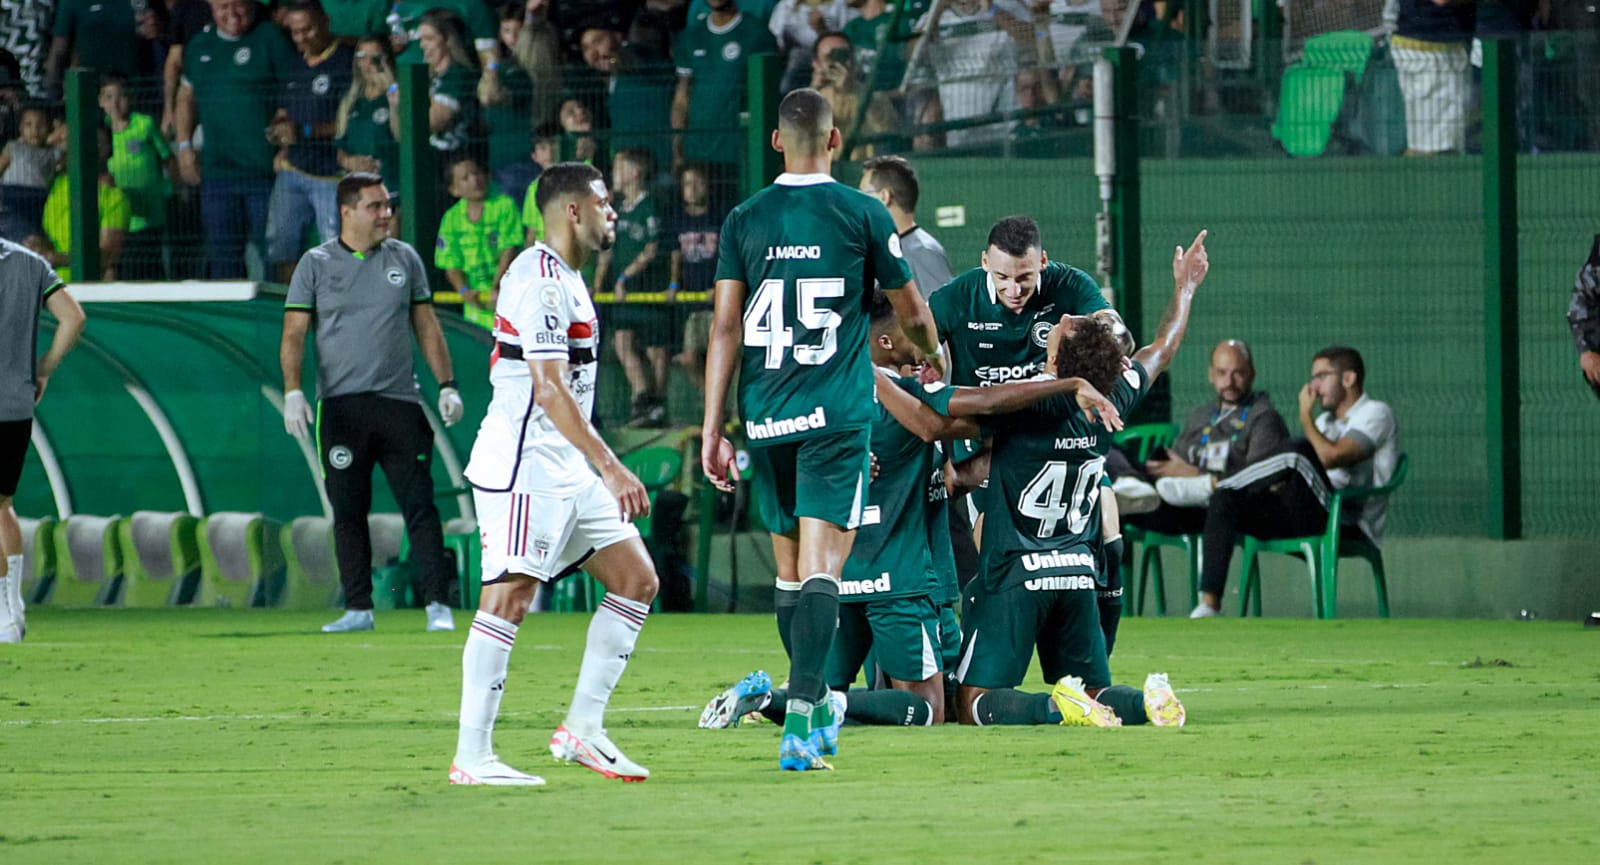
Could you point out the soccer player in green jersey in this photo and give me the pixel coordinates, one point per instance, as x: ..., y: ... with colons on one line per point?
x: 894, y: 582
x: 1036, y: 586
x: 795, y: 265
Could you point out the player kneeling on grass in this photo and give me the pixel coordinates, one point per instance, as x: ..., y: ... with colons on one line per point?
x: 543, y: 511
x: 892, y: 581
x: 1036, y: 583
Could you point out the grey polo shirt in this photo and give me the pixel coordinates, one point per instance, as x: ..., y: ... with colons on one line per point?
x: 360, y: 305
x: 25, y: 281
x: 930, y: 267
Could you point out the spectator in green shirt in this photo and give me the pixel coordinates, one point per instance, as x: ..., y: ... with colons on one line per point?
x: 103, y: 33
x: 55, y: 244
x: 478, y: 237
x: 508, y: 115
x: 640, y: 264
x: 139, y: 158
x: 453, y: 99
x: 546, y: 147
x: 352, y: 20
x: 712, y: 54
x: 368, y: 124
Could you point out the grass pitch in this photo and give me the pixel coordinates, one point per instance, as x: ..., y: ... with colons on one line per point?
x: 214, y: 736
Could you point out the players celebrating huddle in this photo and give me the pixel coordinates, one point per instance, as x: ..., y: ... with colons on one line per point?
x: 839, y: 359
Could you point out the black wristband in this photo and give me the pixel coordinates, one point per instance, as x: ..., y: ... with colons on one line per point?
x: 450, y: 383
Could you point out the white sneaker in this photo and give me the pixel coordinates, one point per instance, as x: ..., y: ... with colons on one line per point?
x: 1203, y: 610
x: 596, y: 752
x: 492, y: 772
x: 1190, y: 492
x: 1160, y: 703
x: 11, y: 628
x: 13, y: 592
x: 352, y: 620
x: 10, y: 632
x: 1135, y: 496
x: 439, y: 617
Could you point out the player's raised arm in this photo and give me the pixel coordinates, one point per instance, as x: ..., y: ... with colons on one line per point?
x: 1189, y: 268
x: 722, y: 354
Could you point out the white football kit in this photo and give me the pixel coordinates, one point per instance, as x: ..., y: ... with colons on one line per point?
x: 541, y: 509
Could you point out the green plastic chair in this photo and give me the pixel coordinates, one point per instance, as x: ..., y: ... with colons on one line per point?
x: 656, y: 468
x: 88, y: 561
x: 160, y: 558
x: 38, y: 558
x: 1144, y: 439
x: 1345, y: 50
x: 1309, y: 101
x: 311, y: 573
x: 1321, y: 554
x: 241, y: 561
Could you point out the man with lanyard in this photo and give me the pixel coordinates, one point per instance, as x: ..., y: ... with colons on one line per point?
x: 1220, y: 438
x: 367, y: 294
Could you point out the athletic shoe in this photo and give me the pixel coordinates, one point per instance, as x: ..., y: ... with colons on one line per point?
x: 798, y: 755
x: 439, y: 618
x: 1203, y: 610
x: 1135, y: 496
x: 729, y: 707
x: 1160, y: 703
x: 596, y: 752
x: 352, y: 620
x: 1190, y: 492
x: 1078, y: 709
x: 492, y: 772
x: 825, y: 740
x: 10, y: 633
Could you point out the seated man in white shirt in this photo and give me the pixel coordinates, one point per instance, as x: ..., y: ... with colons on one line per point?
x: 1353, y: 442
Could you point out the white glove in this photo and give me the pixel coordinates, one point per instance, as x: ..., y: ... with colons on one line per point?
x: 450, y: 407
x: 297, y: 416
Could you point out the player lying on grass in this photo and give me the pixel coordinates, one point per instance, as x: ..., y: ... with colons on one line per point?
x: 1036, y: 583
x: 892, y: 586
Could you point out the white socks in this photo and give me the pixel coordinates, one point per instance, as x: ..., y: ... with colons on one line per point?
x: 612, y: 634
x: 11, y: 584
x: 483, y: 682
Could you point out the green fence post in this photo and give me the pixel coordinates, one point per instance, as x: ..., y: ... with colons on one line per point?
x: 83, y: 172
x: 761, y: 163
x: 1502, y: 361
x: 1125, y: 241
x: 419, y: 171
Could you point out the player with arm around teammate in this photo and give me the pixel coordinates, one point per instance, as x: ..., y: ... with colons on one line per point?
x: 551, y: 496
x: 796, y: 262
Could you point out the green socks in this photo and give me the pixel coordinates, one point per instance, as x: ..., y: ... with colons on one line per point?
x: 1127, y: 702
x: 890, y: 708
x: 816, y: 617
x: 785, y: 596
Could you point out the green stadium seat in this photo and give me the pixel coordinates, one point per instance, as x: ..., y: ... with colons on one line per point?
x: 462, y: 542
x: 160, y: 559
x: 1142, y: 440
x: 311, y: 573
x: 1311, y: 95
x: 88, y: 561
x: 391, y: 573
x: 38, y: 558
x: 241, y: 561
x: 1322, y: 553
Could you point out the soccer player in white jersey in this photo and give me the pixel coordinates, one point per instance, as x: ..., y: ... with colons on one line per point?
x: 543, y: 511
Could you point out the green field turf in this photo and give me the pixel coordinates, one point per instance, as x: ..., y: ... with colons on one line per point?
x: 215, y: 736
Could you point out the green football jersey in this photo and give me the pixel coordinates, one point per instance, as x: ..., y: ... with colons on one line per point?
x: 1042, y: 505
x: 236, y: 92
x: 807, y: 249
x: 937, y: 396
x: 990, y: 344
x: 474, y: 248
x: 637, y: 228
x: 716, y: 62
x: 891, y: 557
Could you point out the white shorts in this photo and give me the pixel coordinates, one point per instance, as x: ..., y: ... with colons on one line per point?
x: 544, y: 536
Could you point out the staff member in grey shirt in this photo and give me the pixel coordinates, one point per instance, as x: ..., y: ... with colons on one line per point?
x: 893, y: 181
x: 27, y: 285
x: 367, y: 293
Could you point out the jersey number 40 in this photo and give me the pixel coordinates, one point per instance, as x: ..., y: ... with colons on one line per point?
x: 767, y: 327
x: 1042, y: 498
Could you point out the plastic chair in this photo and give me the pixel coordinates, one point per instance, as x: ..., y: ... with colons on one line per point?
x: 1311, y: 97
x: 38, y: 558
x: 241, y: 561
x: 88, y: 561
x: 1321, y: 554
x: 656, y: 468
x: 160, y: 558
x: 1144, y: 439
x: 311, y: 576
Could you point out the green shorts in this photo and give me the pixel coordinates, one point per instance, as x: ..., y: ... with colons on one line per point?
x: 901, y: 633
x: 949, y: 637
x: 823, y: 477
x: 1059, y: 616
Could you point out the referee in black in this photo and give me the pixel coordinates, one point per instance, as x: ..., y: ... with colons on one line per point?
x: 366, y: 294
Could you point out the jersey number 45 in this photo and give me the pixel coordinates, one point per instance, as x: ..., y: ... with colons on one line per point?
x: 766, y: 325
x: 1041, y: 499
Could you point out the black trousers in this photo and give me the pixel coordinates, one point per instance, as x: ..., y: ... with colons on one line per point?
x: 1280, y: 496
x: 355, y: 433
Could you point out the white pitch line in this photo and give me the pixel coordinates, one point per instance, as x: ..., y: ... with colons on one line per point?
x: 156, y: 719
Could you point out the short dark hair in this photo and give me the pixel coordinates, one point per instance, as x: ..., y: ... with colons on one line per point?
x: 895, y: 174
x: 351, y: 184
x: 1015, y: 235
x: 1092, y: 352
x: 547, y: 131
x: 563, y: 180
x: 639, y: 158
x: 462, y: 158
x: 834, y: 34
x: 806, y: 113
x: 314, y: 7
x: 880, y: 312
x: 112, y: 76
x: 1345, y: 359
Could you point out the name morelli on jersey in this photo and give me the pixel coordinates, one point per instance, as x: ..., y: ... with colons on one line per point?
x: 770, y: 428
